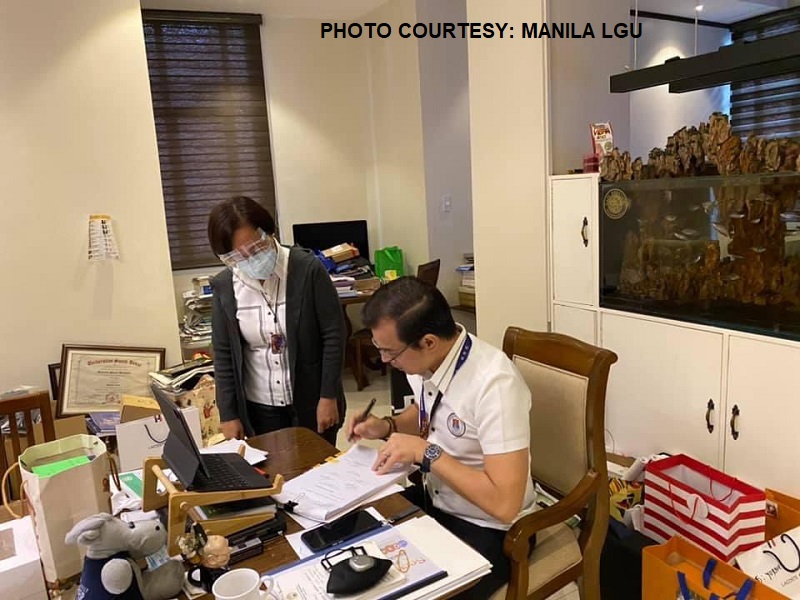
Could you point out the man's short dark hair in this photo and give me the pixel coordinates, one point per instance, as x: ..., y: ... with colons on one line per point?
x: 416, y: 307
x: 230, y: 215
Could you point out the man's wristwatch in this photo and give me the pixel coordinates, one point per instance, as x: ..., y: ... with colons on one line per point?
x: 432, y: 452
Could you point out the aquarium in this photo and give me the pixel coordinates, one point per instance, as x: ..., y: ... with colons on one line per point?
x: 719, y: 250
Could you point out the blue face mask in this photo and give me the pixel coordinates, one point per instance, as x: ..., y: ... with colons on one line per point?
x: 260, y: 265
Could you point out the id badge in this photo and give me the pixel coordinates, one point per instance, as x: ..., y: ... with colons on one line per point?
x: 277, y: 343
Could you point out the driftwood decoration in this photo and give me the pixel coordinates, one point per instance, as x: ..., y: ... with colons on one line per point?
x: 708, y: 149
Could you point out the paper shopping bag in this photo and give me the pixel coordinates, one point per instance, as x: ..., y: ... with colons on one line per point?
x: 719, y: 513
x: 776, y: 563
x: 782, y: 513
x: 203, y: 397
x: 389, y: 259
x: 59, y: 497
x: 136, y: 440
x: 681, y: 570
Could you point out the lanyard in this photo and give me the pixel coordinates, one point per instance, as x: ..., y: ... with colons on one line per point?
x: 424, y: 418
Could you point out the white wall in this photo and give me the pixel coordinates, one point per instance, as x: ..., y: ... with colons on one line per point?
x: 77, y: 136
x: 579, y: 80
x: 444, y: 82
x: 318, y: 106
x: 397, y: 191
x: 507, y: 95
x: 655, y: 112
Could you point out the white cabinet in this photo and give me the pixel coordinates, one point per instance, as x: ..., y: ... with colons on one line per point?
x: 763, y: 388
x: 659, y: 390
x: 675, y: 385
x: 574, y: 239
x: 579, y: 323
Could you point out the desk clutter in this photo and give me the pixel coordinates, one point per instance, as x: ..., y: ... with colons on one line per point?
x: 159, y: 537
x: 191, y: 385
x: 427, y: 561
x: 682, y: 528
x: 167, y: 522
x: 196, y: 324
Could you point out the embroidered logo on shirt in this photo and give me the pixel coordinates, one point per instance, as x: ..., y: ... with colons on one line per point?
x: 455, y: 425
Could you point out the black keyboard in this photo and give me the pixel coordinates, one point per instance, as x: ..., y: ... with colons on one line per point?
x: 222, y: 475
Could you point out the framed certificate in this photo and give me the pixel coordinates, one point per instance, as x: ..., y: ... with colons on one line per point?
x: 93, y: 378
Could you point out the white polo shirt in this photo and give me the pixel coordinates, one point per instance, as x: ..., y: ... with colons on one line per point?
x: 261, y: 312
x: 484, y: 410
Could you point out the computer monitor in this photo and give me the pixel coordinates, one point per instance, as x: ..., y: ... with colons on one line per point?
x: 319, y: 236
x: 180, y: 450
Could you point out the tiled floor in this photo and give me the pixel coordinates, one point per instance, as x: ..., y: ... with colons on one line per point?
x: 357, y: 401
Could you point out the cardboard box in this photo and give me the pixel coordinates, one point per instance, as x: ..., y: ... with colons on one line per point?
x: 466, y: 296
x: 133, y: 408
x: 341, y: 252
x: 367, y: 285
x: 21, y: 576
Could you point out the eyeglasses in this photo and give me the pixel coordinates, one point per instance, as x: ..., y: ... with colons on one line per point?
x: 246, y: 250
x: 388, y: 354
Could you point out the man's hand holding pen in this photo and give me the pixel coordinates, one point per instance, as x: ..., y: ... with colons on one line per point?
x: 365, y: 426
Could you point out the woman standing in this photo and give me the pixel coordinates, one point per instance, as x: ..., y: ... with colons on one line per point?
x: 277, y: 329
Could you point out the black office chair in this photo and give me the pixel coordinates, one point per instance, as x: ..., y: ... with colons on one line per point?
x: 429, y: 272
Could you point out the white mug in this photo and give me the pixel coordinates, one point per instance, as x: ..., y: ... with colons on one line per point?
x: 243, y: 584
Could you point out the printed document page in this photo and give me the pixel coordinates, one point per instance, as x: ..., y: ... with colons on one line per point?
x: 335, y: 487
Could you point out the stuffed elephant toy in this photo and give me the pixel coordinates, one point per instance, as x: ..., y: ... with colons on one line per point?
x: 113, y: 549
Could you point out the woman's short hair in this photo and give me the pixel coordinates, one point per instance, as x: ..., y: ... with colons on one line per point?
x: 230, y: 215
x: 416, y: 307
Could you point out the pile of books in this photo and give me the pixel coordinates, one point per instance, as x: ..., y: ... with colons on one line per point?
x: 466, y: 291
x: 103, y: 424
x: 341, y: 253
x: 344, y: 286
x: 196, y: 325
x: 183, y: 377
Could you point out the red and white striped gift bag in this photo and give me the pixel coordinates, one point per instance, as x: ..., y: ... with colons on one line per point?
x: 719, y: 513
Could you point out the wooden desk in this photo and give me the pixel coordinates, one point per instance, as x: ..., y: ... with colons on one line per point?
x: 16, y: 506
x: 292, y: 452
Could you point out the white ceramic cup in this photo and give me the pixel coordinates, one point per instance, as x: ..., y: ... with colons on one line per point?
x: 243, y: 584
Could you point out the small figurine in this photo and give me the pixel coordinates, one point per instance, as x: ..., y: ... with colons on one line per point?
x: 214, y: 558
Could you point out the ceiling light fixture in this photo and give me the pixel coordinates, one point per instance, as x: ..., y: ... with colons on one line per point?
x: 699, y: 7
x: 738, y: 62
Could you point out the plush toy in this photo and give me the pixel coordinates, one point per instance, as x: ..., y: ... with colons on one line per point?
x: 111, y: 570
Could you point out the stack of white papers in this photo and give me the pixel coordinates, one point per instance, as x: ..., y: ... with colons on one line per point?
x: 433, y: 560
x: 336, y: 487
x: 251, y: 455
x: 309, y: 580
x: 463, y: 564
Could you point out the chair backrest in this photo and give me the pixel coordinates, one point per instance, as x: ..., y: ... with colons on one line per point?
x: 9, y: 407
x: 429, y: 272
x: 568, y: 380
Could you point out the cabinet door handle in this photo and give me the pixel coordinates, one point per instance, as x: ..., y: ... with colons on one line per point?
x: 585, y: 232
x: 709, y: 409
x: 735, y: 422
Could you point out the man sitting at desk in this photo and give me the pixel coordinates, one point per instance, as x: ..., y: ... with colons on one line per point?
x: 469, y: 429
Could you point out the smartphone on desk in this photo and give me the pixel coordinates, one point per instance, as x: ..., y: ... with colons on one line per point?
x: 340, y: 530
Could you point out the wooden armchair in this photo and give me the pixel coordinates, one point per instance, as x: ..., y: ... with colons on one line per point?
x: 568, y: 381
x: 25, y: 404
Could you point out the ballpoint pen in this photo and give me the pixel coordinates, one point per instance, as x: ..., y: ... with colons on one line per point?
x: 363, y: 416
